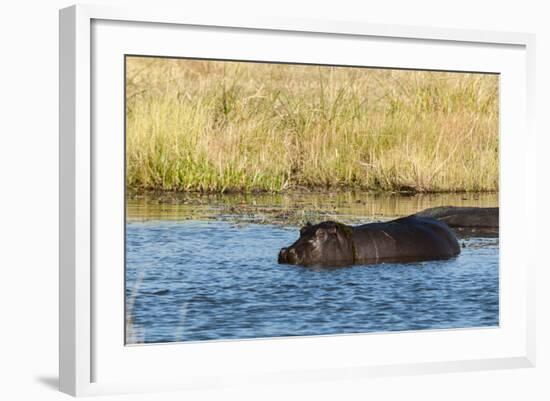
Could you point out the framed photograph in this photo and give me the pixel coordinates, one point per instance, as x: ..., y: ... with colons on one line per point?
x: 278, y: 200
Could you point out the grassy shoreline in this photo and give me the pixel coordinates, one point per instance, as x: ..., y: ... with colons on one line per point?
x: 215, y: 127
x: 175, y: 194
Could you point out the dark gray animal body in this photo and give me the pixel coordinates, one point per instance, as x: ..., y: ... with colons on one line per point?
x: 466, y: 220
x: 406, y: 239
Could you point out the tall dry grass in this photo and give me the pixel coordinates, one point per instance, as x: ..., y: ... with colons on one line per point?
x: 228, y: 126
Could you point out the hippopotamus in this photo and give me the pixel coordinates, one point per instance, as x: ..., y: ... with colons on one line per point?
x: 406, y: 239
x: 466, y: 220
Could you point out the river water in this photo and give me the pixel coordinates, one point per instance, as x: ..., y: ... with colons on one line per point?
x: 205, y: 268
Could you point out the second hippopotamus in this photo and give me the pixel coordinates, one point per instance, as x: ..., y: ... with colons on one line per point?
x: 467, y: 221
x: 406, y: 239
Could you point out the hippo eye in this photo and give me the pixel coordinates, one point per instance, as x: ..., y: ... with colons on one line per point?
x: 321, y: 233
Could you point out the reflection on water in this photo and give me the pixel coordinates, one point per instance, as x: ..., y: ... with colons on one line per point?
x: 294, y: 208
x: 205, y: 268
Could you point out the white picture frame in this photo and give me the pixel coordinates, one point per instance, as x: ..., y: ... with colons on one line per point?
x: 91, y: 37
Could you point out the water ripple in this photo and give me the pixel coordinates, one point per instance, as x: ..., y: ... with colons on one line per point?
x: 217, y: 280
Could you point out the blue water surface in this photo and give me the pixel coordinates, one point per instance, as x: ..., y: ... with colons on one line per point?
x: 199, y: 280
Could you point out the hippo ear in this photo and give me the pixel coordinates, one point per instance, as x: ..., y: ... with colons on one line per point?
x: 304, y: 228
x: 332, y: 230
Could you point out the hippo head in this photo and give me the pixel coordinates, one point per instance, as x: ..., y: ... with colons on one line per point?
x: 327, y: 243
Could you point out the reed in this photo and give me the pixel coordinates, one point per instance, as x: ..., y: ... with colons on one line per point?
x: 227, y: 126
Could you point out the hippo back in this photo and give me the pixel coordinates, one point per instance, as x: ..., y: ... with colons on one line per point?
x: 464, y: 217
x: 405, y: 239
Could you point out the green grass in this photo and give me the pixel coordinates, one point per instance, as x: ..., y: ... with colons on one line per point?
x: 226, y: 126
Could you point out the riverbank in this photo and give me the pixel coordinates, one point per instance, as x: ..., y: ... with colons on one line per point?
x: 226, y: 126
x: 292, y: 208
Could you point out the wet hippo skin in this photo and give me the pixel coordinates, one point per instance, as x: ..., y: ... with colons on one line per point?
x: 406, y: 239
x: 463, y: 216
x: 466, y: 221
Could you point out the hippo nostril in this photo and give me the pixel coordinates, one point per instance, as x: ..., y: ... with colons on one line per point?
x: 282, y: 255
x: 292, y: 256
x: 288, y: 255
